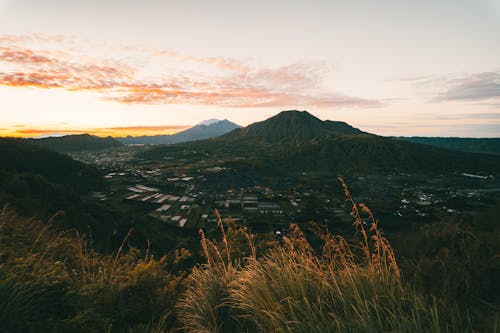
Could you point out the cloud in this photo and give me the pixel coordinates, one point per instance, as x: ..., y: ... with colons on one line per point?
x: 22, y: 56
x: 460, y: 116
x: 55, y: 69
x: 35, y: 131
x: 36, y: 37
x: 475, y: 87
x: 482, y: 88
x: 228, y: 83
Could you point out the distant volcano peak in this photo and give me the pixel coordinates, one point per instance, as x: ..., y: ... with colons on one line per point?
x: 208, y: 122
x: 295, y: 126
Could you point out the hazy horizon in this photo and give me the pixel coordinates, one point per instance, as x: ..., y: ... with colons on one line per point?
x: 149, y: 131
x: 392, y: 68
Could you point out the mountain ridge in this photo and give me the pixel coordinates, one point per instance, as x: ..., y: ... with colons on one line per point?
x: 476, y: 145
x: 293, y: 125
x: 76, y: 142
x: 197, y: 132
x: 295, y: 140
x: 23, y: 157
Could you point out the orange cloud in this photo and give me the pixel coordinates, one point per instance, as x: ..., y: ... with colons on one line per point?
x: 22, y: 56
x: 232, y: 83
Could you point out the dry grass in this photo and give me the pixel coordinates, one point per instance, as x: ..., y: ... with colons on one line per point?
x: 54, y: 281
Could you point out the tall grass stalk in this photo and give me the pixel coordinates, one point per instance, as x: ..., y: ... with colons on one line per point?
x: 338, y: 287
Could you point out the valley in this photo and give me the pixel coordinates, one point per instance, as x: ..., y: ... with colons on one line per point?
x: 260, y: 195
x: 249, y: 166
x: 181, y: 185
x: 194, y: 185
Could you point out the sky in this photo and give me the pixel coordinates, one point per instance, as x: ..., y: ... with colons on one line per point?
x: 123, y: 67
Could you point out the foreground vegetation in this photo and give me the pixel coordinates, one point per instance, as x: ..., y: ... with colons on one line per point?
x: 298, y: 287
x: 310, y: 280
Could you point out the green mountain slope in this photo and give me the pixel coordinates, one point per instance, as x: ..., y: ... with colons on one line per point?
x: 291, y: 126
x: 23, y: 157
x: 40, y: 182
x: 294, y: 141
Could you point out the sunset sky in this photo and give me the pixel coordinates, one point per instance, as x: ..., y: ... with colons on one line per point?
x: 119, y: 67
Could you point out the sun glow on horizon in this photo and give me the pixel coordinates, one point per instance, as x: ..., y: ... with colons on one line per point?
x: 21, y: 131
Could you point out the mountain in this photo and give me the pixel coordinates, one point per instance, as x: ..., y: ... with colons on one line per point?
x: 201, y: 131
x: 295, y: 141
x: 73, y: 143
x: 475, y: 145
x: 209, y: 121
x: 292, y: 126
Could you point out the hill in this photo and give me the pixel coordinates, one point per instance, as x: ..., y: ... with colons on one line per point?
x: 40, y: 182
x: 208, y: 129
x: 73, y: 143
x: 474, y: 145
x: 24, y: 157
x: 292, y: 126
x: 295, y: 141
